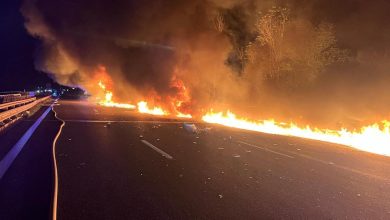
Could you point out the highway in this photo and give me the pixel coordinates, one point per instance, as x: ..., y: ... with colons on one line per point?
x: 118, y: 164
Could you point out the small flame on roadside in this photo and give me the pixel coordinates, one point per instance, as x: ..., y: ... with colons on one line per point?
x: 108, y: 99
x: 181, y: 99
x: 181, y: 115
x: 374, y: 138
x: 143, y: 108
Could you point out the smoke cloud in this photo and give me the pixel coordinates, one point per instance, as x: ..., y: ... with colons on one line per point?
x: 321, y: 62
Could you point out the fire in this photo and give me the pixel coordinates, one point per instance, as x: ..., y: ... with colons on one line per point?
x: 374, y: 138
x: 108, y: 99
x: 143, y: 108
x: 181, y: 115
x: 181, y: 100
x: 178, y: 102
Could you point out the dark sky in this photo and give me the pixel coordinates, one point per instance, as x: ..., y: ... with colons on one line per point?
x: 17, y: 51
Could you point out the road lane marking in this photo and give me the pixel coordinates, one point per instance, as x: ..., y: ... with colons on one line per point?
x: 328, y: 163
x: 164, y: 154
x: 332, y: 164
x: 55, y: 194
x: 9, y: 158
x: 265, y: 149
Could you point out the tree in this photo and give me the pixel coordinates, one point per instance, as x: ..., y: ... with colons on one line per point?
x: 292, y: 51
x: 219, y: 23
x: 271, y: 29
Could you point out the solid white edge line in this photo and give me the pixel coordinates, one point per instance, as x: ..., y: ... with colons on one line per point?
x: 265, y: 149
x: 135, y: 121
x: 9, y: 158
x: 164, y: 154
x: 55, y: 194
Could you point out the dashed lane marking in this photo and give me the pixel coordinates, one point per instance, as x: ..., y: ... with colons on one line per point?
x: 265, y: 149
x: 163, y: 153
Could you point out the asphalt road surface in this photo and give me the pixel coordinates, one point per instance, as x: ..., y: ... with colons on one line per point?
x: 118, y: 164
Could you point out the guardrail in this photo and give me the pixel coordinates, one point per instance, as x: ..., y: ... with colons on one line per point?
x: 17, y: 110
x: 16, y: 103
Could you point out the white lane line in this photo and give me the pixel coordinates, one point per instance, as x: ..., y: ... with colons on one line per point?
x: 320, y: 161
x: 9, y: 158
x: 265, y: 149
x: 164, y: 154
x: 55, y: 194
x: 331, y: 164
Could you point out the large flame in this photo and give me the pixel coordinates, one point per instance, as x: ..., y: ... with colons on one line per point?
x: 374, y: 138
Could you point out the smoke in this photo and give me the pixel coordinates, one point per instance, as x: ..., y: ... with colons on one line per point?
x: 322, y: 61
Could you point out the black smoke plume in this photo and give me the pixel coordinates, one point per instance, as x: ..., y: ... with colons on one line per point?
x: 323, y: 62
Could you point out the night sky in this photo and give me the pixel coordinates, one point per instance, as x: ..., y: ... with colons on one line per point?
x: 17, y: 48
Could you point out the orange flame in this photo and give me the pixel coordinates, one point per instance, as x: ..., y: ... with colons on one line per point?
x: 181, y: 115
x: 143, y: 108
x: 108, y: 99
x: 373, y: 138
x: 181, y: 99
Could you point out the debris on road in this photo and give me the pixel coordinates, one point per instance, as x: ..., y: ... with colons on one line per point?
x: 81, y: 165
x: 190, y: 128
